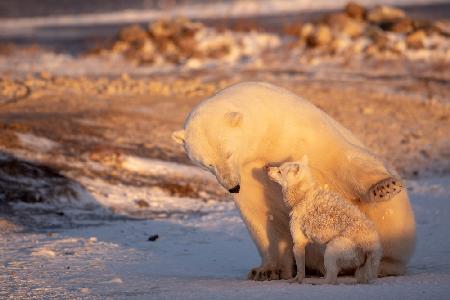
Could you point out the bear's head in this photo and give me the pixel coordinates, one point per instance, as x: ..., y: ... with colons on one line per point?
x: 214, y: 144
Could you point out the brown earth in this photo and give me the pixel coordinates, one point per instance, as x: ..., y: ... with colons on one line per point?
x: 89, y: 124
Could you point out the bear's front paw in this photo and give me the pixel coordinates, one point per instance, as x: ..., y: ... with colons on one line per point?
x: 296, y: 279
x: 384, y: 190
x: 266, y: 273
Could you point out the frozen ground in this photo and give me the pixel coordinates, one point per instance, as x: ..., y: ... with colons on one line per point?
x: 203, y: 253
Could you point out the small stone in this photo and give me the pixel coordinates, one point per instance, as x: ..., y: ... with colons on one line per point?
x: 339, y: 44
x: 306, y: 30
x: 320, y: 37
x: 341, y: 23
x: 443, y: 27
x: 399, y: 26
x: 379, y: 38
x: 384, y: 13
x: 355, y: 11
x: 399, y: 47
x: 416, y: 40
x: 153, y: 237
x: 141, y: 203
x: 133, y: 34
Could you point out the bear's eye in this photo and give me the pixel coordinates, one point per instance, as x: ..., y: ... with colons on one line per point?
x: 228, y: 155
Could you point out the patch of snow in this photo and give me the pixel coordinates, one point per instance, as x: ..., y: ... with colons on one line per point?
x: 36, y: 143
x: 162, y: 168
x: 202, y: 256
x: 43, y: 252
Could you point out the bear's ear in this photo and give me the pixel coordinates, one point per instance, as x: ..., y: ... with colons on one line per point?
x: 179, y: 136
x: 233, y: 118
x: 304, y: 160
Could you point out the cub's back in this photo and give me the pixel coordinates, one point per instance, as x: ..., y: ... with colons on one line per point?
x: 325, y: 215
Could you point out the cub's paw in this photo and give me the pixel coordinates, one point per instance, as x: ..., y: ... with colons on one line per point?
x: 384, y: 190
x: 266, y: 273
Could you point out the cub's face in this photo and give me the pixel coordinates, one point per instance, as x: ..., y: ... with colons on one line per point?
x: 289, y: 173
x: 214, y: 145
x: 286, y: 175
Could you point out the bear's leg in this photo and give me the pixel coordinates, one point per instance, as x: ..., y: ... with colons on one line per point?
x: 395, y: 224
x: 268, y: 224
x: 358, y: 174
x: 384, y: 189
x: 389, y: 267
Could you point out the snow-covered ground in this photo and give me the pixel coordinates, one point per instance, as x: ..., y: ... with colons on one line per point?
x: 202, y: 252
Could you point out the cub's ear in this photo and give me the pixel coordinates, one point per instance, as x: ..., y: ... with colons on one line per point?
x: 179, y: 136
x: 273, y: 173
x: 233, y: 118
x: 294, y: 169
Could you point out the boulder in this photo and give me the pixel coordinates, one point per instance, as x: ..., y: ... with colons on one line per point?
x: 342, y: 23
x: 384, y: 13
x: 133, y: 35
x: 416, y: 40
x: 399, y: 26
x: 321, y: 36
x: 355, y: 11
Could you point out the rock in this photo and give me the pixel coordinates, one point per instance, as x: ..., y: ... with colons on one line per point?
x: 416, y: 40
x: 398, y: 26
x: 443, y: 27
x: 306, y: 30
x: 384, y: 13
x: 161, y: 29
x: 341, y: 23
x: 371, y: 50
x: 153, y: 237
x: 339, y: 44
x: 147, y: 53
x: 355, y: 11
x: 321, y: 36
x: 133, y: 35
x: 141, y: 203
x: 378, y: 37
x: 399, y: 47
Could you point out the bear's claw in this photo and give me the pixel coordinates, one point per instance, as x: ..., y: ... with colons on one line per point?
x: 384, y: 189
x: 265, y: 273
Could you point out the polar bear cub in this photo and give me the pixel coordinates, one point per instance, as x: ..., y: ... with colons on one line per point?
x: 321, y: 216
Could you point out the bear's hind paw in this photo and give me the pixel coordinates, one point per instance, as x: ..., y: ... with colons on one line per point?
x: 384, y: 190
x: 265, y: 273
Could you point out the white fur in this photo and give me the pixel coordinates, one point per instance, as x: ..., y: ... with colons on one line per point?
x: 235, y: 133
x: 323, y: 217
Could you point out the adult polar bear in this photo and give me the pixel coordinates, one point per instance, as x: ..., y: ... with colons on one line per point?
x: 238, y: 131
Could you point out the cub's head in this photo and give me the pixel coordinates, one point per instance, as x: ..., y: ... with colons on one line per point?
x: 214, y: 143
x: 290, y: 173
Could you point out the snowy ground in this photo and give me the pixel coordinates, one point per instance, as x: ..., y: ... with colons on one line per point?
x: 203, y: 252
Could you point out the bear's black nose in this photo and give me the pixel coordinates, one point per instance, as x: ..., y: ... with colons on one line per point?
x: 235, y: 190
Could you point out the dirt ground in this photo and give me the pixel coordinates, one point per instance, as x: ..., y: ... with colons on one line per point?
x: 399, y: 119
